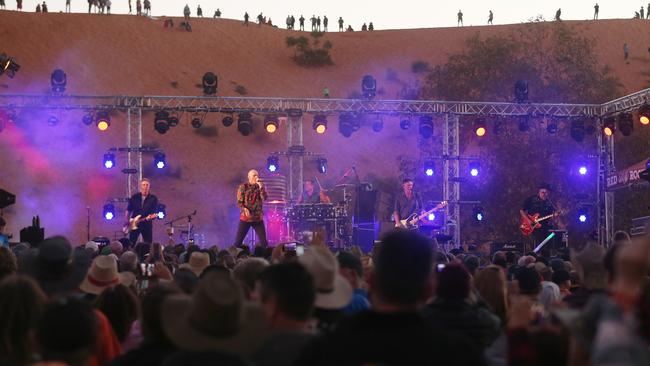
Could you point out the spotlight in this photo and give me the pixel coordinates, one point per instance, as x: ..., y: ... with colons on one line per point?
x: 368, y: 86
x: 426, y: 126
x: 644, y: 114
x: 245, y: 123
x: 109, y: 160
x: 521, y: 91
x: 578, y: 130
x: 322, y: 165
x: 551, y: 126
x: 523, y: 124
x: 478, y: 213
x: 159, y: 160
x: 582, y: 170
x: 626, y: 124
x: 405, y: 124
x: 273, y: 163
x: 162, y: 211
x: 378, y: 125
x: 109, y: 211
x: 346, y: 124
x: 609, y: 126
x: 431, y: 216
x: 173, y: 120
x: 271, y: 123
x: 209, y: 83
x: 197, y: 122
x: 52, y: 121
x: 479, y: 127
x: 320, y: 123
x: 161, y: 122
x: 429, y: 168
x: 87, y: 119
x: 58, y: 80
x: 227, y: 121
x: 103, y: 121
x: 474, y: 168
x: 8, y: 65
x: 583, y: 215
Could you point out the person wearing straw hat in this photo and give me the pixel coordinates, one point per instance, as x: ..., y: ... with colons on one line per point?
x: 197, y: 263
x: 103, y: 274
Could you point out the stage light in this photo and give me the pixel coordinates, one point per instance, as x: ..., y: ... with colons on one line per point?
x: 162, y: 211
x: 583, y: 214
x: 405, y: 124
x: 523, y: 124
x: 173, y: 120
x: 474, y: 169
x: 478, y: 213
x: 197, y: 122
x: 227, y: 121
x: 52, y: 121
x: 88, y: 119
x: 551, y: 126
x: 426, y: 126
x: 578, y: 130
x: 8, y: 65
x: 498, y: 126
x: 521, y: 91
x: 431, y: 217
x: 322, y: 165
x: 644, y: 114
x: 582, y: 170
x: 102, y: 120
x: 273, y: 163
x: 159, y: 160
x: 368, y: 86
x: 479, y: 127
x: 271, y: 123
x: 209, y: 83
x: 429, y: 168
x: 320, y: 123
x: 245, y: 123
x: 626, y: 124
x: 109, y: 160
x: 346, y: 124
x: 609, y: 126
x: 161, y: 122
x: 58, y: 81
x: 378, y: 125
x: 109, y: 211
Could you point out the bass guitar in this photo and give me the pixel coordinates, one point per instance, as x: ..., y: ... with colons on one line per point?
x: 412, y: 222
x: 527, y: 228
x: 134, y: 221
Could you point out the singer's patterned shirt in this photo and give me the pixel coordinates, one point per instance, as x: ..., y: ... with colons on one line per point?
x: 250, y: 196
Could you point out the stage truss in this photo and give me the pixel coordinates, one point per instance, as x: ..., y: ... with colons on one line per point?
x: 134, y: 106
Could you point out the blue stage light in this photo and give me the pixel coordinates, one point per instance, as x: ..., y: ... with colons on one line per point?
x: 159, y: 160
x: 273, y: 164
x: 109, y: 211
x: 109, y: 160
x: 429, y: 168
x: 474, y: 169
x: 582, y: 170
x: 162, y: 211
x: 431, y: 217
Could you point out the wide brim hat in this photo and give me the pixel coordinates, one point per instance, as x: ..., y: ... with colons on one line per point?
x: 333, y: 291
x: 57, y: 268
x: 103, y: 274
x: 197, y: 263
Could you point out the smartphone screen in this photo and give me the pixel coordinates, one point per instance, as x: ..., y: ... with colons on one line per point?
x: 440, y: 267
x: 300, y: 250
x: 290, y: 247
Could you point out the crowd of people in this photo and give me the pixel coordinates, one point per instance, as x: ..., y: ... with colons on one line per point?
x: 405, y: 303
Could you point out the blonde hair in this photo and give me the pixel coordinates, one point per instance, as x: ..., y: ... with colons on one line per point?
x: 490, y: 282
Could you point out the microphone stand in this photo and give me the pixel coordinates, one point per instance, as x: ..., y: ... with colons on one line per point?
x: 87, y: 223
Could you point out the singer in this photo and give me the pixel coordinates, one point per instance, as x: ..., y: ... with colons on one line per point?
x: 250, y: 196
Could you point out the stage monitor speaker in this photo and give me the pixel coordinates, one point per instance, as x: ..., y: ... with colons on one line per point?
x: 6, y: 198
x: 364, y: 236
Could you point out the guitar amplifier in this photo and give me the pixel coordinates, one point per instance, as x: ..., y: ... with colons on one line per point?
x: 509, y: 246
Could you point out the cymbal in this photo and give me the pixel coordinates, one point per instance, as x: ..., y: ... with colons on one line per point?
x: 345, y: 185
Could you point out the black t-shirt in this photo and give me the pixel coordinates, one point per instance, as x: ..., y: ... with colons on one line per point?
x: 534, y: 204
x: 389, y: 339
x: 314, y: 198
x: 138, y: 207
x: 405, y: 207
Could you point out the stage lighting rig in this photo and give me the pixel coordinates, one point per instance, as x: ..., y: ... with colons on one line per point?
x: 429, y: 168
x: 103, y: 120
x: 8, y: 66
x: 271, y: 123
x: 551, y: 126
x: 197, y: 121
x: 58, y: 81
x: 348, y: 124
x: 109, y: 160
x: 161, y: 211
x: 88, y: 119
x: 322, y: 165
x: 108, y: 211
x: 644, y: 114
x: 368, y: 87
x: 578, y: 130
x: 245, y: 123
x: 320, y: 123
x: 479, y: 127
x: 474, y: 168
x: 625, y: 123
x: 609, y: 126
x: 273, y: 163
x: 405, y: 124
x: 161, y: 122
x: 52, y: 121
x: 478, y: 213
x: 521, y: 91
x: 377, y: 125
x: 426, y: 126
x: 227, y: 121
x: 159, y: 160
x: 209, y: 83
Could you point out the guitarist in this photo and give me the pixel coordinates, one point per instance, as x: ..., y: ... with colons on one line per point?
x: 144, y: 204
x: 539, y: 204
x: 407, y: 202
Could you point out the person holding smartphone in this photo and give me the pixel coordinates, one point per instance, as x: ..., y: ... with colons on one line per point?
x: 250, y: 197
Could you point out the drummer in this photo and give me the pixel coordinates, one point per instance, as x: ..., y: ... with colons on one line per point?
x: 309, y: 196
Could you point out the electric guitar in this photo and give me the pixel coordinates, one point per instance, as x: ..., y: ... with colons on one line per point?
x: 527, y: 229
x: 412, y: 221
x: 134, y: 221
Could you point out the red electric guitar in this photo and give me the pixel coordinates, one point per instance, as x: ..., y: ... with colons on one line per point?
x: 527, y: 228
